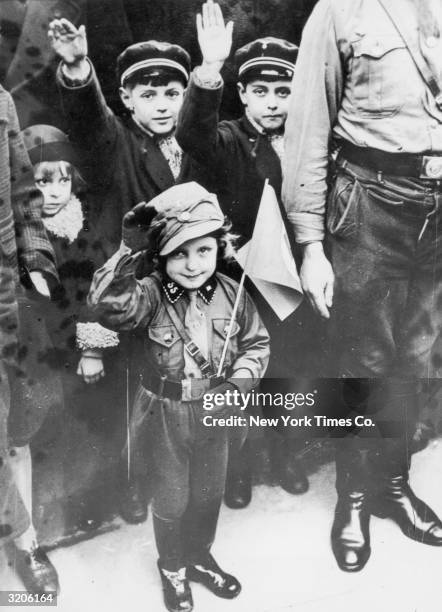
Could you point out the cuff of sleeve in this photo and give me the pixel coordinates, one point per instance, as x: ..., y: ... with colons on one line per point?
x: 206, y: 81
x: 41, y: 261
x: 243, y: 384
x: 74, y: 83
x: 94, y: 335
x: 308, y: 227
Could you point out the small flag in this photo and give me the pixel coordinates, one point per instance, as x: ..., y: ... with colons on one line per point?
x: 268, y: 261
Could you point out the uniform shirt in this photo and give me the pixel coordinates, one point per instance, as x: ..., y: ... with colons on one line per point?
x: 122, y: 302
x: 355, y: 81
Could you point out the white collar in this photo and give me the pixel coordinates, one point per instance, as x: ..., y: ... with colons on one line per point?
x: 68, y: 222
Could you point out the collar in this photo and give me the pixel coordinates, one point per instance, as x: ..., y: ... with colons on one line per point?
x: 174, y: 291
x: 68, y: 222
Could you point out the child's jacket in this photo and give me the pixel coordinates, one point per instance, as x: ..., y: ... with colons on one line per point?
x: 122, y: 302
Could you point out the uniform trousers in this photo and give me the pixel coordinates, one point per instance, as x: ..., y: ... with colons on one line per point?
x: 189, y: 464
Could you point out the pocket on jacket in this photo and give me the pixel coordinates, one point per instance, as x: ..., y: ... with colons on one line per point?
x: 220, y: 329
x: 163, y: 343
x: 379, y: 81
x: 342, y: 207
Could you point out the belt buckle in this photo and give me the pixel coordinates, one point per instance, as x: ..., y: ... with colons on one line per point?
x: 431, y: 167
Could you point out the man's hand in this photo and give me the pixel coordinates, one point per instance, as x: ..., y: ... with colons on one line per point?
x: 317, y: 279
x: 70, y: 44
x: 40, y: 283
x: 91, y: 367
x: 214, y: 38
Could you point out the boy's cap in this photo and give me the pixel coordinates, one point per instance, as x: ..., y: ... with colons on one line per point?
x: 190, y: 212
x: 266, y: 57
x: 151, y: 56
x: 46, y: 143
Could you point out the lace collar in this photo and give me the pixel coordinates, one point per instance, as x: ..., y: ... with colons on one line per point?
x: 68, y: 222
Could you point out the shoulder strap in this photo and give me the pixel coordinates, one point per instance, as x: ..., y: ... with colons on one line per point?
x: 190, y: 346
x: 402, y: 25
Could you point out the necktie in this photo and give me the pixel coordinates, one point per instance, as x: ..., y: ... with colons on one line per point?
x: 196, y: 326
x: 173, y: 154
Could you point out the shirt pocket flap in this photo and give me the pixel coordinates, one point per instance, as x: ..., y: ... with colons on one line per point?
x: 166, y: 335
x: 221, y: 327
x: 377, y: 47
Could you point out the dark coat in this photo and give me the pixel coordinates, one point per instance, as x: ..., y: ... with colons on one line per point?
x: 24, y: 245
x: 238, y: 157
x: 124, y: 165
x: 241, y: 159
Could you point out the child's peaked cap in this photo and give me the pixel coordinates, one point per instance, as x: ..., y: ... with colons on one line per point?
x: 266, y: 57
x: 46, y: 143
x: 190, y: 212
x: 150, y: 56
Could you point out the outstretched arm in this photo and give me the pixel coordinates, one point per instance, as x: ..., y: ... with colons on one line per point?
x: 197, y: 131
x: 92, y: 124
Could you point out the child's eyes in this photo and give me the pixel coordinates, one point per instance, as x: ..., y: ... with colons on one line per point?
x: 283, y: 93
x: 205, y: 250
x: 41, y: 181
x: 149, y: 96
x: 260, y: 92
x: 65, y: 179
x: 173, y: 94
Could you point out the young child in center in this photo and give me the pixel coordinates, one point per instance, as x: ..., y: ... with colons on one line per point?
x: 244, y: 153
x: 183, y: 310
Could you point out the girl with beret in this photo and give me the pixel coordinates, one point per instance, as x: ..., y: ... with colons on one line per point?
x: 185, y: 311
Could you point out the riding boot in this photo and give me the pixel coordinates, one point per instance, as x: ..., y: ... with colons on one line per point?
x: 350, y: 536
x: 238, y: 491
x: 394, y: 497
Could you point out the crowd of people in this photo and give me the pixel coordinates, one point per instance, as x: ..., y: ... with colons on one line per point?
x: 118, y: 242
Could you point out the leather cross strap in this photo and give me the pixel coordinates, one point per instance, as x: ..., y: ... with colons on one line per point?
x: 190, y: 346
x: 395, y: 12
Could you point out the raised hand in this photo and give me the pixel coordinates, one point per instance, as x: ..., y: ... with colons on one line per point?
x: 67, y: 41
x: 139, y: 228
x: 214, y: 37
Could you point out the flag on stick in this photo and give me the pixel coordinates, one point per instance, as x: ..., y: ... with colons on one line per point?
x: 268, y: 261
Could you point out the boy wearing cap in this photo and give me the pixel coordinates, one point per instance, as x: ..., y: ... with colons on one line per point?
x: 184, y: 310
x: 244, y: 153
x: 131, y: 159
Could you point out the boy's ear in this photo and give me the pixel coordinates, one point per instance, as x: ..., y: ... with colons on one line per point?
x: 126, y: 98
x: 242, y: 92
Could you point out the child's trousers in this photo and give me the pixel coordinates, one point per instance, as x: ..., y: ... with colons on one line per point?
x: 189, y: 463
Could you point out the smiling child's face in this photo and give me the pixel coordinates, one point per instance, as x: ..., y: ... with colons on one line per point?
x: 193, y: 263
x: 54, y: 180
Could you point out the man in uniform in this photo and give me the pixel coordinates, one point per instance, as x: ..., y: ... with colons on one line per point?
x: 377, y: 203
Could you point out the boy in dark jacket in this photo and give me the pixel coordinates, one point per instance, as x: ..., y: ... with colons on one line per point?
x: 244, y: 153
x: 131, y: 159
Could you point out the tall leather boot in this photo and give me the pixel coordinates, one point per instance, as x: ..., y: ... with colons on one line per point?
x: 288, y: 466
x: 350, y: 535
x: 394, y: 497
x: 238, y: 491
x: 171, y: 565
x: 198, y: 528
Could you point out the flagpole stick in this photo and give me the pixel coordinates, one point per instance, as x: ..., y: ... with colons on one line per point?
x: 232, y: 319
x: 236, y: 304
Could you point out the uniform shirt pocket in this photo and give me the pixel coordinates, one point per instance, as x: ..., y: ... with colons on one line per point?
x: 165, y: 348
x: 379, y: 75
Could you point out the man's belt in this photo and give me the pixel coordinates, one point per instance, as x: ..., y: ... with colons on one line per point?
x: 396, y: 164
x: 189, y: 389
